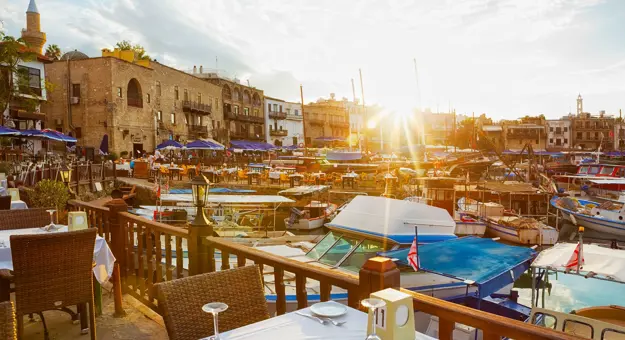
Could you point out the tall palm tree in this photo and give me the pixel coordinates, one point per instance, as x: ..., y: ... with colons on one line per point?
x: 53, y: 52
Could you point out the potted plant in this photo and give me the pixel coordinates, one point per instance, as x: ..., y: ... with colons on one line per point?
x: 51, y: 194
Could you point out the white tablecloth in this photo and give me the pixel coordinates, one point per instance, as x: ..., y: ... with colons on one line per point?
x: 275, y: 174
x: 296, y: 327
x: 102, y: 254
x: 350, y: 175
x: 125, y: 166
x: 18, y: 205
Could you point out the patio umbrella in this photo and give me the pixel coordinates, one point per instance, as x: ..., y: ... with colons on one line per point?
x: 169, y: 145
x: 35, y: 134
x: 5, y: 131
x: 203, y: 145
x: 104, y: 145
x: 58, y: 136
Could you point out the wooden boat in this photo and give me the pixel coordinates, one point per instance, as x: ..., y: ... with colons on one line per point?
x: 607, y: 217
x: 516, y: 229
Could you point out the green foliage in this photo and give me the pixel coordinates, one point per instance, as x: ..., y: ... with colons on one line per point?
x: 139, y: 50
x: 112, y: 156
x: 50, y: 193
x: 124, y: 45
x: 12, y: 51
x: 123, y: 154
x: 53, y: 52
x: 6, y: 168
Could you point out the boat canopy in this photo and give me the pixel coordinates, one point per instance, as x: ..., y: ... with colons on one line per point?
x: 214, y: 191
x: 608, y: 181
x: 344, y: 156
x: 229, y: 199
x: 395, y: 219
x: 605, y: 263
x: 304, y: 190
x: 480, y: 261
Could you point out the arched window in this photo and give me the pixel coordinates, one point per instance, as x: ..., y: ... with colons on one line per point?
x: 133, y: 93
x: 236, y: 95
x: 246, y: 97
x: 227, y: 93
x: 256, y: 99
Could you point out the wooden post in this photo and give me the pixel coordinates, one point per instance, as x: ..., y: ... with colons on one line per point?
x: 103, y: 171
x: 50, y: 171
x: 115, y: 173
x: 376, y: 274
x: 90, y: 176
x: 118, y: 246
x: 201, y: 257
x: 77, y: 176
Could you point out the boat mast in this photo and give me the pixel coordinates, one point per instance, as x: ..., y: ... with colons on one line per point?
x: 364, y: 107
x: 301, y: 93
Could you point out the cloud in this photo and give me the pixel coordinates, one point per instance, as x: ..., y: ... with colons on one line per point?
x: 503, y: 57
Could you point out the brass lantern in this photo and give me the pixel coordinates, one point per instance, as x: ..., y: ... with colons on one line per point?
x: 65, y: 173
x: 200, y: 187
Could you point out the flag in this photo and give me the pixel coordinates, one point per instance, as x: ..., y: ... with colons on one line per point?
x: 413, y: 256
x: 577, y: 255
x: 157, y: 191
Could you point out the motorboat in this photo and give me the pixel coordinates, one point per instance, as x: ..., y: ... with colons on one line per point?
x: 306, y: 213
x: 507, y: 226
x: 607, y: 217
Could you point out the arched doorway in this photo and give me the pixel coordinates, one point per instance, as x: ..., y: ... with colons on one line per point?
x: 133, y: 93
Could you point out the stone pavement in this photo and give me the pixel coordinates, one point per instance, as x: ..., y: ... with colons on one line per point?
x: 139, y: 323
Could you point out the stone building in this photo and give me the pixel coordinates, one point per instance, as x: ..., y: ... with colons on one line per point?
x: 559, y: 134
x: 590, y: 132
x: 284, y: 121
x: 137, y: 103
x: 527, y: 130
x: 326, y: 120
x: 242, y: 113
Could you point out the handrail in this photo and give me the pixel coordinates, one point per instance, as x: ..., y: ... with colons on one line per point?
x: 157, y: 226
x: 77, y: 203
x: 493, y: 326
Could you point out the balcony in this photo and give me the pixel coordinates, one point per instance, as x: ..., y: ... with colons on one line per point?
x: 294, y: 117
x: 278, y: 133
x: 339, y: 124
x: 195, y: 107
x: 316, y: 121
x: 136, y: 102
x: 277, y: 115
x: 244, y: 118
x: 198, y: 129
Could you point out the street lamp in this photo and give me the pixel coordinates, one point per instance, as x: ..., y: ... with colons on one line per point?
x: 200, y: 186
x: 65, y: 173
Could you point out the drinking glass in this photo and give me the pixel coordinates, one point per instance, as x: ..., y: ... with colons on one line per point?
x: 215, y: 308
x: 51, y: 226
x: 373, y: 304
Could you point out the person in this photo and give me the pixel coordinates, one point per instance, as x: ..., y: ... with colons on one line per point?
x: 157, y: 155
x: 132, y: 166
x: 151, y: 159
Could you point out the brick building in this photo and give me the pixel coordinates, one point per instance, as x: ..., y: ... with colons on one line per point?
x: 326, y: 119
x: 137, y: 103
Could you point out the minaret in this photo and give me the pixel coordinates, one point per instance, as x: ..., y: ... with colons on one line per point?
x: 580, y: 104
x: 32, y: 35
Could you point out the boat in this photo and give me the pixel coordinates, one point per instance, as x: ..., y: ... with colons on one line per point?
x: 308, y: 214
x: 509, y: 227
x: 465, y: 223
x: 607, y: 218
x: 599, y: 263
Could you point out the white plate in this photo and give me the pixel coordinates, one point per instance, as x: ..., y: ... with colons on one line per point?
x: 328, y: 309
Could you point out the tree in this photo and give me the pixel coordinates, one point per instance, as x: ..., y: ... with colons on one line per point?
x: 139, y: 50
x: 53, y: 52
x: 14, y: 80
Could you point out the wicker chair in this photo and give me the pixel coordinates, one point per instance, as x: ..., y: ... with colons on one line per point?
x: 181, y: 302
x: 5, y: 202
x: 25, y: 218
x: 52, y: 271
x: 7, y: 321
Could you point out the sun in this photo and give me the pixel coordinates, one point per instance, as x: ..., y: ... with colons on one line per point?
x: 372, y: 124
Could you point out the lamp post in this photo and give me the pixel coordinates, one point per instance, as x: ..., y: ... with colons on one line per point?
x: 200, y: 187
x: 200, y: 256
x: 65, y: 173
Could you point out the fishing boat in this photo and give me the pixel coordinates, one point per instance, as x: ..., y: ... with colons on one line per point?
x: 507, y: 226
x: 607, y: 217
x: 306, y: 213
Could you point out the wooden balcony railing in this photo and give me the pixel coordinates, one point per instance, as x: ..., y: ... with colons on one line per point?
x: 277, y: 115
x: 195, y: 107
x: 279, y: 133
x: 149, y: 252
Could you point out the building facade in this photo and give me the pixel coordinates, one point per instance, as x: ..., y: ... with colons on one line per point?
x: 592, y: 132
x: 284, y: 122
x: 559, y: 134
x: 137, y: 103
x: 326, y: 120
x: 619, y: 136
x: 526, y: 131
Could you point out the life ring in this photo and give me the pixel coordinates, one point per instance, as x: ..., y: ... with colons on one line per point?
x: 465, y: 218
x: 301, y: 145
x: 228, y: 153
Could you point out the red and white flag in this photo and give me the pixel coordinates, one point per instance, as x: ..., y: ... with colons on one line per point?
x: 157, y: 191
x: 577, y: 257
x: 413, y: 256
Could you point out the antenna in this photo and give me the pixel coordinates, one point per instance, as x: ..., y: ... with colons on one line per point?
x: 353, y: 90
x: 416, y: 74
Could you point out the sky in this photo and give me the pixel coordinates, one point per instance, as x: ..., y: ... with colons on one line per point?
x: 500, y: 57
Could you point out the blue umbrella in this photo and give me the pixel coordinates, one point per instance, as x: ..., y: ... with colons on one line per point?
x: 169, y: 145
x: 31, y: 133
x: 203, y: 145
x: 5, y: 131
x: 104, y: 145
x: 57, y: 136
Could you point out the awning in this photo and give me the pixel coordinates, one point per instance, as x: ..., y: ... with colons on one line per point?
x: 250, y: 145
x: 606, y: 263
x: 203, y: 145
x: 491, y: 265
x: 344, y: 156
x: 169, y: 145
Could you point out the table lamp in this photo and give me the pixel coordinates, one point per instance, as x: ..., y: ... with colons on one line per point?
x: 77, y: 220
x: 395, y: 320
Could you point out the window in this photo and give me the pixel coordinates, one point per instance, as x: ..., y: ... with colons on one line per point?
x: 323, y: 245
x: 186, y: 95
x: 558, y: 130
x: 176, y: 92
x: 275, y: 107
x: 147, y: 98
x: 246, y: 111
x: 29, y: 80
x: 173, y: 118
x: 119, y: 92
x: 551, y: 140
x: 558, y: 142
x: 338, y: 251
x: 216, y: 103
x: 199, y: 120
x: 159, y: 116
x: 236, y: 109
x: 366, y: 250
x: 158, y: 88
x: 566, y: 129
x: 566, y: 140
x: 199, y: 98
x: 268, y: 107
x: 280, y: 108
x: 545, y: 320
x: 213, y: 123
x: 210, y: 101
x: 551, y: 129
x: 581, y: 329
x: 297, y: 112
x: 288, y: 111
x: 76, y: 90
x: 579, y: 135
x: 186, y: 119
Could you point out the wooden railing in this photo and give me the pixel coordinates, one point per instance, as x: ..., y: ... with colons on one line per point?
x: 149, y: 252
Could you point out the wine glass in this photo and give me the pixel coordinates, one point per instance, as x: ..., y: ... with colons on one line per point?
x: 215, y: 308
x: 373, y: 304
x: 51, y: 226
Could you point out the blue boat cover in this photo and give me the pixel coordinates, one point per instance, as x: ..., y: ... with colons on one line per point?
x: 491, y: 265
x: 343, y: 156
x: 214, y: 191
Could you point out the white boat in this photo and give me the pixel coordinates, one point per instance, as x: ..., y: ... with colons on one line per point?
x: 308, y: 214
x: 466, y: 225
x: 516, y: 229
x: 607, y: 217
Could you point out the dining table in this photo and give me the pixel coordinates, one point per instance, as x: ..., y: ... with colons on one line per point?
x: 293, y: 326
x: 18, y: 205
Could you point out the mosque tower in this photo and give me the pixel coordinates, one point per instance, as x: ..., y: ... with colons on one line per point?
x: 32, y: 35
x: 580, y: 103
